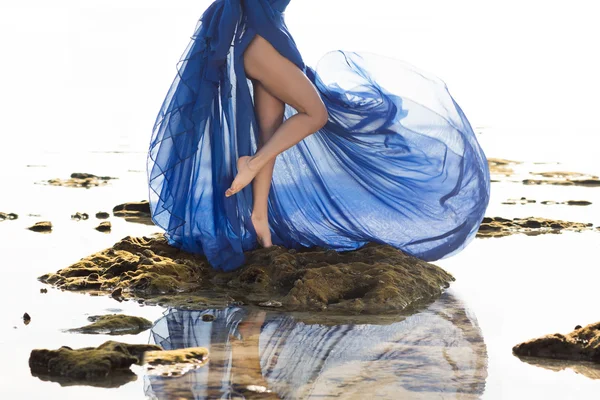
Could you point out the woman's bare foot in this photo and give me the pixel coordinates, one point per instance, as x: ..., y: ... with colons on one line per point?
x: 263, y: 233
x: 244, y: 176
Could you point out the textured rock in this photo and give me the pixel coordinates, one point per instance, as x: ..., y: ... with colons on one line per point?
x: 532, y: 226
x: 115, y: 324
x: 79, y: 179
x: 582, y: 344
x: 138, y: 212
x: 373, y: 279
x: 44, y: 227
x: 88, y: 364
x: 104, y: 226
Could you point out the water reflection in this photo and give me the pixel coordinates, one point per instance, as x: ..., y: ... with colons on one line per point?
x: 438, y: 351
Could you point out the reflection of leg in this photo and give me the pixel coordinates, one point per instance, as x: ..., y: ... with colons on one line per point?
x: 245, y: 366
x: 287, y: 82
x: 269, y: 115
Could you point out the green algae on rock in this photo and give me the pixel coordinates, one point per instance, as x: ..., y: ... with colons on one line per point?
x: 583, y: 344
x: 175, y: 362
x: 115, y: 324
x: 89, y: 363
x: 373, y: 279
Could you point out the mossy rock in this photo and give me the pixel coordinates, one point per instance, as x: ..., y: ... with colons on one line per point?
x: 115, y: 324
x: 373, y: 279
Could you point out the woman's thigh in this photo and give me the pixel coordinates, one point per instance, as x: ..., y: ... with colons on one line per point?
x: 281, y: 78
x: 269, y: 111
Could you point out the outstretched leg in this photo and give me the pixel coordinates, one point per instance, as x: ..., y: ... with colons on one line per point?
x: 269, y: 115
x: 287, y: 82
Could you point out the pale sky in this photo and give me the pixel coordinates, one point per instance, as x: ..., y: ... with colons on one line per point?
x: 95, y: 72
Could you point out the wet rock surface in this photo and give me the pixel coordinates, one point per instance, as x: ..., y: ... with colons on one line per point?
x: 175, y: 362
x: 532, y: 226
x: 80, y: 179
x: 138, y: 212
x: 373, y: 279
x: 43, y: 227
x: 109, y: 361
x: 115, y: 324
x: 583, y: 344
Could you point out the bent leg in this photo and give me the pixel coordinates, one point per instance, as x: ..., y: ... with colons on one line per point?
x: 269, y: 115
x: 284, y: 80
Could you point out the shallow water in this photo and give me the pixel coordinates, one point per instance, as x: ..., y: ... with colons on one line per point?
x: 507, y: 290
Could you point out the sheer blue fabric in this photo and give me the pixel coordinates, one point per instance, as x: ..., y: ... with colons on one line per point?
x: 397, y: 162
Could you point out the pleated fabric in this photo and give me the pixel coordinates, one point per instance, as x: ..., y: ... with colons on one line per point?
x: 397, y: 162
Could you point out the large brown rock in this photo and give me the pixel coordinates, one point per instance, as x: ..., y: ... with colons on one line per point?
x: 114, y: 324
x: 373, y: 279
x: 583, y: 344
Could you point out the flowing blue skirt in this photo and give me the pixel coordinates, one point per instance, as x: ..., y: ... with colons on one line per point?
x: 396, y: 163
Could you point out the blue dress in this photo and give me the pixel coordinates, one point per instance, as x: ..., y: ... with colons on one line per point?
x: 396, y: 163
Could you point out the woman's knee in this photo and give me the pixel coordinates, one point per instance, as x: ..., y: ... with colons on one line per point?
x: 319, y: 116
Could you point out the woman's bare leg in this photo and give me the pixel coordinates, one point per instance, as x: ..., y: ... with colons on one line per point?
x: 284, y: 80
x: 269, y: 115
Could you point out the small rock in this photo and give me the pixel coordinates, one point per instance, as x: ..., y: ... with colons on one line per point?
x: 115, y: 324
x: 4, y: 216
x: 26, y: 319
x: 102, y: 215
x: 117, y: 293
x: 80, y: 216
x: 578, y: 327
x: 175, y: 362
x: 104, y: 226
x: 208, y: 318
x: 44, y: 226
x: 43, y: 290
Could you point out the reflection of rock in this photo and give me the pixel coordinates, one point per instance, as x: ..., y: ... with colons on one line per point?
x: 175, y: 362
x: 499, y: 166
x: 5, y: 216
x: 115, y: 324
x: 532, y: 226
x: 138, y: 212
x: 436, y: 353
x: 88, y: 364
x: 585, y: 368
x: 563, y: 178
x: 79, y: 179
x: 44, y: 227
x: 582, y: 344
x: 374, y: 278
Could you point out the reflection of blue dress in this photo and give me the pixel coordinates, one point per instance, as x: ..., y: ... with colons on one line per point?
x: 397, y: 162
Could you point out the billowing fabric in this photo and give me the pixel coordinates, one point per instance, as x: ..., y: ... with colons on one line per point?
x: 396, y: 163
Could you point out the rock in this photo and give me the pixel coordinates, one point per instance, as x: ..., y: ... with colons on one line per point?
x: 563, y: 178
x: 79, y: 179
x: 115, y: 324
x: 105, y: 226
x: 102, y: 215
x: 43, y: 290
x: 578, y: 203
x: 582, y: 344
x: 499, y: 166
x: 373, y: 279
x: 175, y: 362
x: 80, y: 216
x: 138, y: 212
x: 208, y: 318
x: 532, y: 226
x: 26, y: 319
x: 88, y: 364
x: 521, y: 201
x: 10, y: 216
x: 44, y: 227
